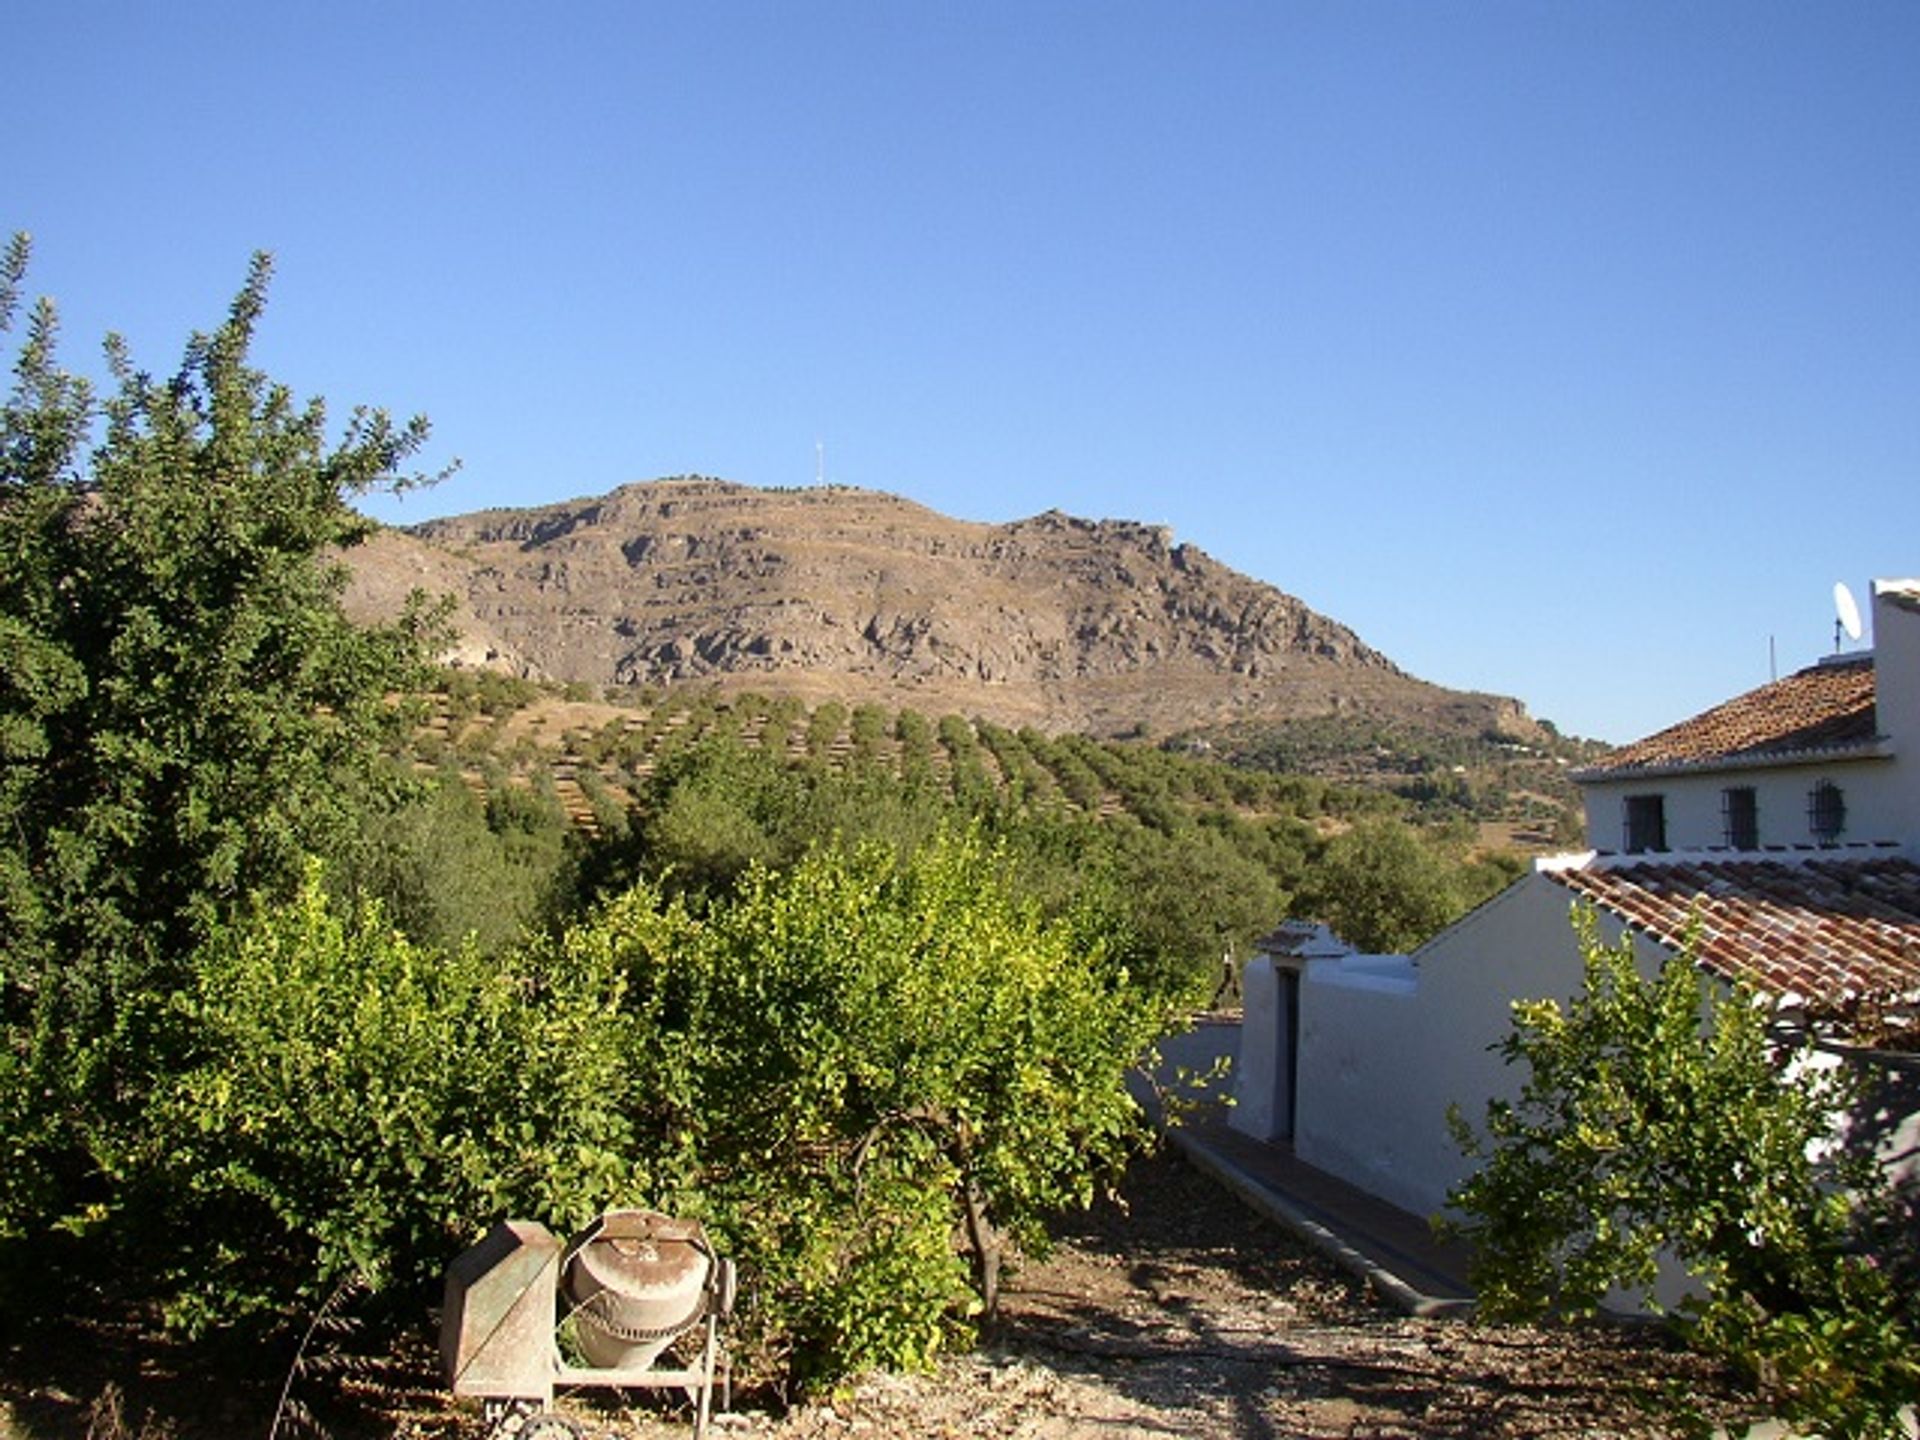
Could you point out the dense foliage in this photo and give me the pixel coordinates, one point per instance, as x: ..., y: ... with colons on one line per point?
x: 1661, y: 1121
x: 1384, y: 887
x: 301, y: 983
x: 716, y: 807
x: 184, y: 711
x: 456, y: 862
x: 1200, y: 856
x: 350, y: 1103
x: 849, y: 1062
x: 839, y: 1067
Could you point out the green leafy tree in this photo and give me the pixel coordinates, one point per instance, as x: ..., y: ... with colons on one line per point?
x: 973, y: 787
x: 824, y: 730
x: 185, y: 713
x: 1662, y: 1117
x: 450, y: 866
x: 849, y: 1063
x: 350, y: 1103
x: 706, y: 813
x: 1195, y: 897
x: 1381, y: 887
x: 916, y: 747
x: 712, y: 810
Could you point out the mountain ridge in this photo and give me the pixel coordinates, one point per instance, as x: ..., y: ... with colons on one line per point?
x: 1104, y: 627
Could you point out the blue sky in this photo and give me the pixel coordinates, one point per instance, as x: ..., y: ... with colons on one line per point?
x: 1569, y: 351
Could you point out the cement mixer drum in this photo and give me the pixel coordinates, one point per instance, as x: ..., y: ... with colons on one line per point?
x: 634, y: 1281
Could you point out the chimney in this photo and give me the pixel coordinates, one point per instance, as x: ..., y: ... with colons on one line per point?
x: 1896, y: 687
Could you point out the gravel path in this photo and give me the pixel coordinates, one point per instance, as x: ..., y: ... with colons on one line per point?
x: 1178, y: 1313
x: 1174, y: 1312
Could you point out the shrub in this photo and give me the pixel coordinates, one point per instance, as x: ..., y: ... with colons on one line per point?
x: 357, y: 1104
x: 1661, y: 1117
x: 859, y: 1059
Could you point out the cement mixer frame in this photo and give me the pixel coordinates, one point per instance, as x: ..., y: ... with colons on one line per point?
x: 500, y: 1324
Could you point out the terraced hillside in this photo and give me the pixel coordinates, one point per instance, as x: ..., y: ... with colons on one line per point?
x: 597, y: 754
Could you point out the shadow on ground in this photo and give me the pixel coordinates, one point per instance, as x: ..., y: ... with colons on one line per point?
x: 1178, y: 1296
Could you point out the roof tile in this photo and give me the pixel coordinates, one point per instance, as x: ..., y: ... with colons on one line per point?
x: 1819, y: 708
x: 1827, y: 930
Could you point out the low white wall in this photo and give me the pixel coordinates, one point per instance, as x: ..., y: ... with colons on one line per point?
x: 1212, y: 1042
x: 1360, y: 1031
x: 1386, y: 1048
x: 1259, y: 1093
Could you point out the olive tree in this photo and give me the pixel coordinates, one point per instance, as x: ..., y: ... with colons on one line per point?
x: 1381, y: 886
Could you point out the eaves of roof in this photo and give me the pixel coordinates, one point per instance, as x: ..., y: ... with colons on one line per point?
x: 1758, y: 759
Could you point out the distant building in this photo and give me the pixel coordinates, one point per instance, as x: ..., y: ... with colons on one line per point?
x: 1785, y: 823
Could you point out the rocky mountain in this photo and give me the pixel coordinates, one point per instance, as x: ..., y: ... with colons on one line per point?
x: 1103, y: 627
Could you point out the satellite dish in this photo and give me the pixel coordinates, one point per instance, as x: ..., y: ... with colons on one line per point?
x: 1846, y: 613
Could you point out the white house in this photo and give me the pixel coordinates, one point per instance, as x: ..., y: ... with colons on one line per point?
x: 1785, y: 823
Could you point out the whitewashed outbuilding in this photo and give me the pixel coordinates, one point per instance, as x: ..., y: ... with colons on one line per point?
x: 1785, y: 823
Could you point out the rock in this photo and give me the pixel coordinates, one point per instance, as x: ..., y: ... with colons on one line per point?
x: 1098, y: 626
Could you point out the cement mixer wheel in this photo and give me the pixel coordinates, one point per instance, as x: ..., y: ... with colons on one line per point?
x: 524, y: 1423
x: 548, y: 1425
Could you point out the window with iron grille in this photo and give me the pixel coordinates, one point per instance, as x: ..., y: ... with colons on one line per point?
x: 1826, y: 811
x: 1646, y: 823
x: 1740, y: 817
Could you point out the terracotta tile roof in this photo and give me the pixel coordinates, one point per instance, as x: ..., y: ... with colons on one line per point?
x: 1823, y: 708
x: 1822, y: 929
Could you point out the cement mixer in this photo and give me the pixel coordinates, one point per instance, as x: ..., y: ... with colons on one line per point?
x: 621, y: 1294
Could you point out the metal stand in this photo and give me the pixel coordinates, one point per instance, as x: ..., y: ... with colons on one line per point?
x: 499, y: 1327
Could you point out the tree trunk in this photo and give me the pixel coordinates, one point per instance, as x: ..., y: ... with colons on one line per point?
x: 986, y: 1249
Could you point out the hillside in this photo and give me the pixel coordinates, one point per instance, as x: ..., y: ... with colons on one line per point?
x: 1066, y: 625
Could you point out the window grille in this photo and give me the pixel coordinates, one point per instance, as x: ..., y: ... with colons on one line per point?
x: 1826, y: 811
x: 1740, y: 817
x: 1646, y: 823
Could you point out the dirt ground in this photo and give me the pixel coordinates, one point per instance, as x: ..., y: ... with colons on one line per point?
x: 1174, y: 1313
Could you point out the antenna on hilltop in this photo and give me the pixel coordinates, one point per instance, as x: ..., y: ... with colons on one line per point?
x: 819, y: 462
x: 1846, y: 614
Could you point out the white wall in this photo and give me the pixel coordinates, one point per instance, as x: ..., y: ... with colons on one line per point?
x: 1262, y: 1077
x: 1360, y: 1030
x: 1196, y: 1065
x: 1877, y: 809
x: 1896, y: 664
x: 1383, y: 1054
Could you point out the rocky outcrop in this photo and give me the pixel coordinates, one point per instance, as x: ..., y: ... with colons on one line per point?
x: 1100, y: 626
